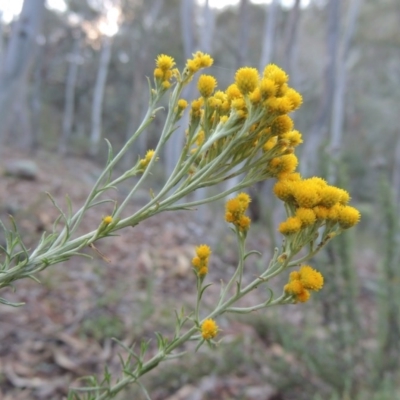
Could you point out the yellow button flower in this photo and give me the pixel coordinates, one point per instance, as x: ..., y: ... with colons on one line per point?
x: 209, y: 329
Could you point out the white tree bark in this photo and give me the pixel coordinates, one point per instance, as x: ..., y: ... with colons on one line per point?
x: 18, y: 56
x: 268, y: 37
x: 318, y: 132
x: 242, y: 49
x: 36, y: 97
x: 74, y: 59
x: 98, y: 96
x: 138, y: 101
x: 339, y: 95
x: 290, y: 43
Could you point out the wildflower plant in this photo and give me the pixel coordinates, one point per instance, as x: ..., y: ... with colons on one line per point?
x: 244, y: 131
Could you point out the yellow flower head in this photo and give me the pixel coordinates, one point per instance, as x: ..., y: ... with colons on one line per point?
x: 348, y: 216
x: 294, y: 276
x: 330, y: 195
x: 281, y: 125
x: 213, y: 102
x: 164, y: 62
x: 275, y: 73
x: 305, y: 193
x: 293, y: 137
x: 196, y: 261
x: 233, y: 206
x: 310, y: 278
x: 209, y: 329
x: 282, y: 89
x: 243, y: 223
x: 108, y: 219
x: 319, y: 182
x: 290, y: 226
x: 246, y: 79
x: 344, y: 196
x: 203, y: 251
x: 144, y: 162
x: 158, y: 73
x: 270, y: 143
x: 306, y: 216
x: 233, y: 92
x: 206, y: 85
x: 199, y: 60
x: 293, y: 176
x: 203, y: 271
x: 193, y: 65
x: 321, y: 212
x: 244, y: 199
x: 182, y: 104
x: 268, y: 88
x: 196, y: 107
x: 282, y: 165
x: 303, y: 296
x: 294, y: 287
x: 333, y: 212
x: 283, y: 190
x: 295, y: 98
x: 278, y: 105
x: 205, y: 59
x: 255, y: 96
x: 289, y: 163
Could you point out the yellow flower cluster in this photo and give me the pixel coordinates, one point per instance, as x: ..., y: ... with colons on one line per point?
x: 206, y: 85
x: 145, y: 161
x: 246, y: 80
x: 315, y: 202
x: 200, y: 261
x: 266, y: 100
x: 235, y: 209
x: 248, y: 126
x: 164, y: 72
x: 199, y: 60
x: 302, y: 281
x: 209, y: 329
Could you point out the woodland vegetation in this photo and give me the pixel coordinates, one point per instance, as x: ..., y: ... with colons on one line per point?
x: 75, y: 75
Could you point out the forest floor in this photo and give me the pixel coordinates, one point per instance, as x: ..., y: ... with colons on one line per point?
x: 128, y: 290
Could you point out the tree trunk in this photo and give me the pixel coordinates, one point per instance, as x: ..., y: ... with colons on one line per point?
x: 243, y: 34
x: 36, y: 98
x: 98, y: 96
x: 187, y: 23
x: 268, y: 38
x: 340, y: 90
x: 312, y: 143
x: 290, y: 42
x: 18, y: 56
x: 74, y: 60
x: 138, y: 101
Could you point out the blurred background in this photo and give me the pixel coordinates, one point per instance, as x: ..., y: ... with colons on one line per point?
x: 73, y: 72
